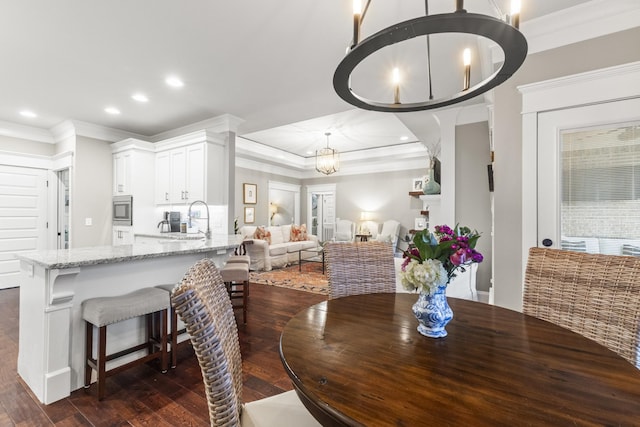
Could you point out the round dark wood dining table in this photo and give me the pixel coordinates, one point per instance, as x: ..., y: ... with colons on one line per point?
x: 359, y: 361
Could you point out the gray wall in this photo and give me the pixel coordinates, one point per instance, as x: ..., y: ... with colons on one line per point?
x: 25, y: 146
x: 261, y: 179
x: 92, y: 191
x: 615, y: 49
x: 385, y: 194
x: 473, y: 203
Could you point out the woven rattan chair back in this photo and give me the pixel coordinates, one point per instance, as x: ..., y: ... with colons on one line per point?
x: 595, y: 295
x: 202, y: 302
x: 360, y: 268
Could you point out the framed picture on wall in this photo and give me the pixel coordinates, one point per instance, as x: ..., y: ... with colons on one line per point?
x: 416, y: 184
x: 249, y: 215
x: 249, y: 194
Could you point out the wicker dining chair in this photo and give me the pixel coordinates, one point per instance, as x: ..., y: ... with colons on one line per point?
x: 359, y: 268
x: 595, y: 295
x: 203, y: 303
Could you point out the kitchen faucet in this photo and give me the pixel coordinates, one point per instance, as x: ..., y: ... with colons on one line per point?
x: 207, y: 235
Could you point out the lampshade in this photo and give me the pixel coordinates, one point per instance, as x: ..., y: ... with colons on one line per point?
x: 505, y: 34
x: 327, y: 159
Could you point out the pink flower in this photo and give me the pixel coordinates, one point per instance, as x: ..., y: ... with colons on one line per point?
x: 459, y: 257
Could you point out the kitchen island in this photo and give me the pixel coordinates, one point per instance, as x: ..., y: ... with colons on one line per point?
x: 54, y: 283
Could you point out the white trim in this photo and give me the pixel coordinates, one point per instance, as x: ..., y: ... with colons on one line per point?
x: 618, y: 82
x: 598, y: 86
x: 218, y: 124
x: 189, y: 139
x: 585, y: 21
x: 31, y: 133
x: 25, y: 160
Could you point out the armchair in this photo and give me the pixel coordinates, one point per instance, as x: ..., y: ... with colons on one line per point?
x: 345, y: 231
x: 389, y: 233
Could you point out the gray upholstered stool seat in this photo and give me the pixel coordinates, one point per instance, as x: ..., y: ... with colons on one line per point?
x: 239, y: 259
x: 173, y: 335
x: 104, y: 311
x: 236, y: 276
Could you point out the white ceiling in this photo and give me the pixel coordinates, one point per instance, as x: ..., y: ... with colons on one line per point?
x: 269, y: 63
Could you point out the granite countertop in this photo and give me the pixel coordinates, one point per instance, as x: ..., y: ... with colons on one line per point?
x: 172, y: 236
x: 69, y: 258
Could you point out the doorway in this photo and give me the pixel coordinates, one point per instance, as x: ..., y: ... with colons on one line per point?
x: 321, y: 210
x: 600, y: 101
x: 63, y: 209
x: 589, y: 180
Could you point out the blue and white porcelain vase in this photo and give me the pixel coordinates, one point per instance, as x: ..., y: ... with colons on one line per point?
x: 433, y: 313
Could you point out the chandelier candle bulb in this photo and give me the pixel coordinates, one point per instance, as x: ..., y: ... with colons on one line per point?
x: 396, y: 85
x: 515, y: 13
x: 357, y: 13
x: 466, y: 60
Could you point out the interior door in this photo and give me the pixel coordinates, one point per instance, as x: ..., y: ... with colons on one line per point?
x: 23, y: 222
x: 588, y: 221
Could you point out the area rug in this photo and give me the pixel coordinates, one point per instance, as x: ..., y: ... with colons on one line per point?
x: 310, y: 279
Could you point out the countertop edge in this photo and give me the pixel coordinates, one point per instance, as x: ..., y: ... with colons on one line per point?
x: 112, y: 259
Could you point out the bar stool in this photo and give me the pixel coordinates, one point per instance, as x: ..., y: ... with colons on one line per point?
x: 172, y: 337
x: 103, y: 311
x: 235, y: 275
x: 240, y: 259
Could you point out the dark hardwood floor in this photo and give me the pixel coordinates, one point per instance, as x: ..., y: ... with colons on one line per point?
x: 142, y: 396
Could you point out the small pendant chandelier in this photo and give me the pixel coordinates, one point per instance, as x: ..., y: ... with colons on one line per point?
x: 327, y: 159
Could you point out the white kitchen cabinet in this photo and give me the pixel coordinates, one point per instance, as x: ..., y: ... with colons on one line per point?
x: 122, y: 236
x: 122, y: 173
x: 183, y: 172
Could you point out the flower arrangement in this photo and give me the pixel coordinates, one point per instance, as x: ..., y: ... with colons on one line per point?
x: 433, y: 259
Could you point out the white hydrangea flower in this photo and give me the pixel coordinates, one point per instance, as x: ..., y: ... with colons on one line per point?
x: 424, y: 277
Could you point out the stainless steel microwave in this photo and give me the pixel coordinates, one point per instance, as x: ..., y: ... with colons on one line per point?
x: 122, y: 210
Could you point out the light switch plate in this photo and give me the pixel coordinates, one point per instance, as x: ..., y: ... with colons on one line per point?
x: 88, y: 221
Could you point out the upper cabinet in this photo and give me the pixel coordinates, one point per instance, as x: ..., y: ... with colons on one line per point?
x: 129, y: 156
x: 180, y: 175
x: 122, y: 173
x: 190, y: 168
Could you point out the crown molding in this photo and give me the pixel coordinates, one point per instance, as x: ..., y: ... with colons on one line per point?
x: 218, y: 124
x: 72, y: 128
x: 582, y: 22
x: 15, y: 130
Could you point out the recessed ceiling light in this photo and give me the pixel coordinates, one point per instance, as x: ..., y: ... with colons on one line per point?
x: 140, y: 97
x: 27, y: 113
x: 174, y: 82
x: 309, y: 152
x: 112, y: 110
x: 404, y: 138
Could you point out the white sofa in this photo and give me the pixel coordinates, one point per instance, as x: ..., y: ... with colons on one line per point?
x: 280, y: 253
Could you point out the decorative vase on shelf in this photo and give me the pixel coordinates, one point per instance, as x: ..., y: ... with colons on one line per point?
x: 433, y: 313
x: 429, y: 184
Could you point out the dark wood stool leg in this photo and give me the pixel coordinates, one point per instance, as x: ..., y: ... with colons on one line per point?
x: 102, y: 361
x: 164, y: 358
x: 174, y: 338
x: 88, y: 353
x: 245, y: 296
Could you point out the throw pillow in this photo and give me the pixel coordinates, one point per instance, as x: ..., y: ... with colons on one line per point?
x: 262, y: 234
x: 298, y: 233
